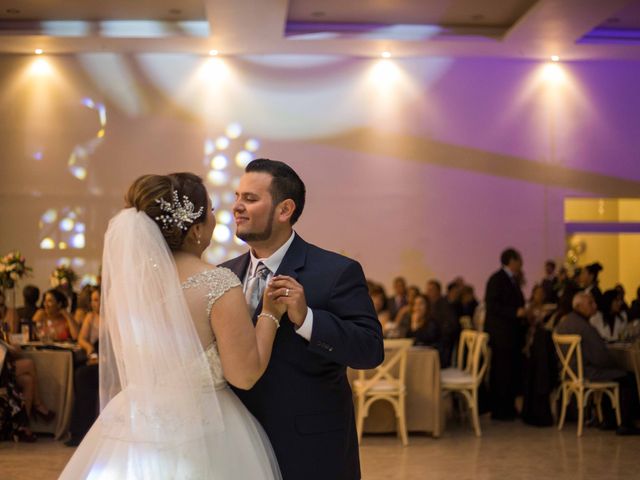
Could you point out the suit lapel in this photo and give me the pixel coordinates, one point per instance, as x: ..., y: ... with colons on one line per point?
x: 240, y: 265
x: 294, y: 258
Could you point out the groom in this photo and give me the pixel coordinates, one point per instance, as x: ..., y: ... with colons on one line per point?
x: 303, y: 400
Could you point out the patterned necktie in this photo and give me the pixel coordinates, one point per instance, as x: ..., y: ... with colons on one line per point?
x: 255, y: 287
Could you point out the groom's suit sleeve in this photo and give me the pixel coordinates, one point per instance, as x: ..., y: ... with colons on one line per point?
x: 347, y: 330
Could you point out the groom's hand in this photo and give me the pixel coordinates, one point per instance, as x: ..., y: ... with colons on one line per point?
x: 288, y: 291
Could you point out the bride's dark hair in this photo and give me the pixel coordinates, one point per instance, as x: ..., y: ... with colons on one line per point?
x: 145, y: 190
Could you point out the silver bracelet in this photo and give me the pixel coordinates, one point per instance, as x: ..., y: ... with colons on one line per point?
x: 272, y: 317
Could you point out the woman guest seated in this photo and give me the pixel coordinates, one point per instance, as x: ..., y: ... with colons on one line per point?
x: 423, y: 328
x: 611, y: 322
x: 84, y: 305
x: 379, y: 298
x: 86, y: 378
x: 53, y: 321
x: 21, y: 399
x: 412, y: 293
x: 89, y: 332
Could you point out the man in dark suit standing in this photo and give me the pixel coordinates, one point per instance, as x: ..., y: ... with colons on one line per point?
x: 303, y: 400
x: 504, y: 324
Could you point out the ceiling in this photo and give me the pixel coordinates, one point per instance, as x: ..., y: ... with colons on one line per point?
x: 572, y: 29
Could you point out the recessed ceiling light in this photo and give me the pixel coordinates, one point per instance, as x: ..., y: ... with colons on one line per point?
x: 38, y: 51
x: 385, y: 54
x: 12, y: 11
x: 213, y: 53
x: 555, y: 58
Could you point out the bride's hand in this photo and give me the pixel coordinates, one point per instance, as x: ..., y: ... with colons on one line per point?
x: 271, y: 304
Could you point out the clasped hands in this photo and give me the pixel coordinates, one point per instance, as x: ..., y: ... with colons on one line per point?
x: 285, y: 294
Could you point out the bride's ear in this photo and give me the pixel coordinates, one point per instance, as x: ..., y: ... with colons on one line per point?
x: 195, y: 233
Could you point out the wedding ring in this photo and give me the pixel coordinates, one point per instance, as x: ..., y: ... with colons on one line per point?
x: 286, y: 292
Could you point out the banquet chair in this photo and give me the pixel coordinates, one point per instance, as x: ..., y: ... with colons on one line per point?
x: 574, y: 383
x: 472, y: 364
x: 466, y: 323
x: 479, y: 316
x: 387, y: 382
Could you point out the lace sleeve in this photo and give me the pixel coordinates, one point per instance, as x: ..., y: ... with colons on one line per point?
x: 216, y: 282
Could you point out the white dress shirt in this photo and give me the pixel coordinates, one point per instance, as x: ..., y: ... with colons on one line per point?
x: 273, y: 263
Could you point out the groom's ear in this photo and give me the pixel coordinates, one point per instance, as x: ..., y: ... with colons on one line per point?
x: 285, y: 209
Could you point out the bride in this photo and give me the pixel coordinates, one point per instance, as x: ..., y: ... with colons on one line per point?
x: 175, y: 330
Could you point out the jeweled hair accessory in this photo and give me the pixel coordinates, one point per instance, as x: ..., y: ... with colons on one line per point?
x: 178, y: 213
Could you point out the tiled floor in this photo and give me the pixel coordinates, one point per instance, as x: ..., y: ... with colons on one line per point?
x: 505, y: 451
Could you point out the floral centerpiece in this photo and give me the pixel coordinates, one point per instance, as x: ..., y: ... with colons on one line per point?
x: 12, y: 268
x: 64, y: 276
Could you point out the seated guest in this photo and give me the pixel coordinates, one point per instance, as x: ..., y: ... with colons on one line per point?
x: 588, y: 282
x: 454, y: 291
x: 564, y: 305
x: 622, y: 292
x: 468, y: 302
x: 30, y: 294
x: 537, y: 310
x: 412, y: 293
x: 379, y: 298
x: 611, y: 322
x: 24, y: 374
x: 86, y: 377
x: 399, y: 326
x: 550, y: 282
x: 84, y: 305
x: 52, y: 320
x: 446, y: 319
x: 14, y: 422
x: 90, y: 330
x: 597, y: 363
x: 8, y: 316
x: 634, y: 309
x: 86, y: 382
x: 399, y: 298
x: 423, y: 327
x: 72, y: 297
x: 562, y: 281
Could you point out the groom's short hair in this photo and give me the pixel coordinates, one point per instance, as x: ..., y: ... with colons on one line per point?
x: 285, y: 183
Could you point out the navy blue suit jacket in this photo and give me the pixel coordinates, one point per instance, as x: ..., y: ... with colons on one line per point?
x: 503, y: 298
x: 303, y: 400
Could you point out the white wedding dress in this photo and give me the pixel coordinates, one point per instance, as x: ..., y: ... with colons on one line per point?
x: 173, y: 418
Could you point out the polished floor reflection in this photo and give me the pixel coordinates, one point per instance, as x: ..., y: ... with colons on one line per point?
x: 505, y: 451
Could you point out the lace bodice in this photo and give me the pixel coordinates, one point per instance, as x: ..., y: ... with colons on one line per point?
x: 215, y: 283
x: 201, y: 291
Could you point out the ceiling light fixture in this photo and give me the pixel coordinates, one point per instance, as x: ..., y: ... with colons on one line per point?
x: 38, y: 51
x: 385, y: 54
x: 213, y: 53
x: 555, y: 58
